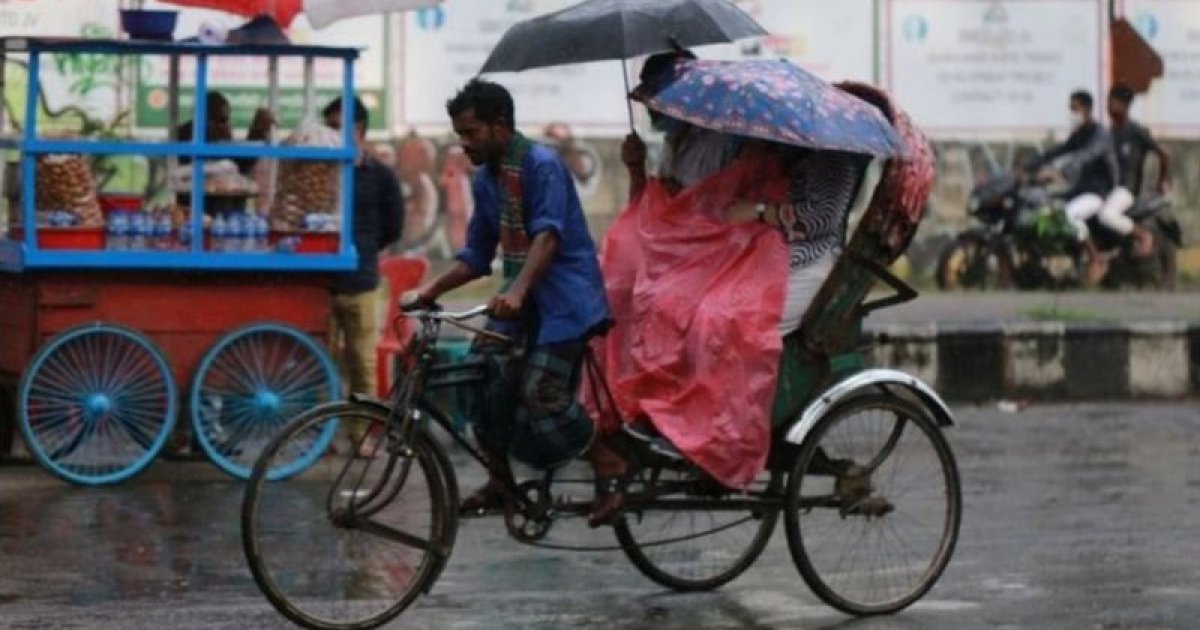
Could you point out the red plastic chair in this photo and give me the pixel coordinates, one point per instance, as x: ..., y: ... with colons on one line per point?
x: 402, y: 273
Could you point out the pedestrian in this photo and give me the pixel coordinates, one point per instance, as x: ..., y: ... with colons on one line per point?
x: 378, y: 219
x: 552, y: 299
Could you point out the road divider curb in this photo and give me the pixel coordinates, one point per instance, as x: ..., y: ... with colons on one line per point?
x: 1045, y: 361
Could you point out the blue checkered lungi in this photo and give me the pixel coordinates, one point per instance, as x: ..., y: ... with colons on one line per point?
x: 529, y: 406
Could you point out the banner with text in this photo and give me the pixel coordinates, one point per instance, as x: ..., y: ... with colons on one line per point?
x: 78, y: 91
x: 834, y: 40
x: 444, y: 47
x: 1172, y: 27
x: 984, y: 68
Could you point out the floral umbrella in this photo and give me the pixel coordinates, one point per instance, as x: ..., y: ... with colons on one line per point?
x: 771, y: 100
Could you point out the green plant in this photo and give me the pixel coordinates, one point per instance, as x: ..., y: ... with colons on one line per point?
x: 1056, y: 313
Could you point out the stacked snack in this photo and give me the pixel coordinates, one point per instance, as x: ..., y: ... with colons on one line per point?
x: 306, y: 187
x: 65, y: 185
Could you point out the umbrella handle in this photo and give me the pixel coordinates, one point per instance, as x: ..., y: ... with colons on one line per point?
x: 628, y: 103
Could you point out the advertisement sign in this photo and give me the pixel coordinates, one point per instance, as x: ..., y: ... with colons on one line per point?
x: 834, y: 40
x: 442, y: 48
x: 77, y: 91
x: 243, y: 80
x: 1172, y: 27
x: 972, y: 68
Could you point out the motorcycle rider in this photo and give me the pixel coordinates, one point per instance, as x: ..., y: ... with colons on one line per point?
x: 1092, y: 169
x: 1132, y: 143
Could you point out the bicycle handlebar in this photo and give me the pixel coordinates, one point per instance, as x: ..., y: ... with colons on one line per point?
x: 450, y: 316
x: 457, y: 319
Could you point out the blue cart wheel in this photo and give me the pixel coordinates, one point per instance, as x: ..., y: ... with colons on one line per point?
x: 247, y: 388
x: 97, y: 404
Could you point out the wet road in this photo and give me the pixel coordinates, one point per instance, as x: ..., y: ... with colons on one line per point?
x: 1075, y: 518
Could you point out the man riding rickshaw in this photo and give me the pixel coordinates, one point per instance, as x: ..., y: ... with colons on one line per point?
x: 726, y: 395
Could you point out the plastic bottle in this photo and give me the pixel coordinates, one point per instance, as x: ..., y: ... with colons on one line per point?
x: 239, y: 232
x: 261, y: 231
x: 118, y: 232
x: 139, y: 232
x: 162, y: 232
x: 185, y: 235
x: 220, y: 234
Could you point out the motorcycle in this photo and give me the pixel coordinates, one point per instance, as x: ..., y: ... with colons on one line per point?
x: 1023, y: 240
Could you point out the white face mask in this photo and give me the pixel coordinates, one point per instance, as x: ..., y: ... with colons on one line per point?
x: 1077, y: 120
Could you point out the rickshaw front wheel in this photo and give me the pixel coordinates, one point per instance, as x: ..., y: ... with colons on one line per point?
x: 873, y: 505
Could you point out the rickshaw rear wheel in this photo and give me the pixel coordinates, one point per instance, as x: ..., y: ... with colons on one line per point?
x: 873, y: 505
x: 696, y: 550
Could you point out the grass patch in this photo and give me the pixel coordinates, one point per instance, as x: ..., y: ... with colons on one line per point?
x: 1056, y: 313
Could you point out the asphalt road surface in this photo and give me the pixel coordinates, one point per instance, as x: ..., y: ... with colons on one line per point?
x: 1076, y: 517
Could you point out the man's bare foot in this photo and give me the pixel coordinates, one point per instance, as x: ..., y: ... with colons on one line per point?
x: 612, y: 477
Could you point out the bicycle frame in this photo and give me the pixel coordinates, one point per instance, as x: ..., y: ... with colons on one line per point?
x: 412, y: 390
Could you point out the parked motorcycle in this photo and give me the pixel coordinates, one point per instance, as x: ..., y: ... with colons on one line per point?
x: 1022, y: 240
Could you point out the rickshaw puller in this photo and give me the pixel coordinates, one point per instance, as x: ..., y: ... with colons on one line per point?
x: 552, y: 299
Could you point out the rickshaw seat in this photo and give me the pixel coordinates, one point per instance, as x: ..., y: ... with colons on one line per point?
x: 824, y: 345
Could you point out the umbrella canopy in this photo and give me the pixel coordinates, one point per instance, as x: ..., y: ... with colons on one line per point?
x: 282, y: 11
x: 771, y: 100
x: 597, y: 30
x: 321, y: 13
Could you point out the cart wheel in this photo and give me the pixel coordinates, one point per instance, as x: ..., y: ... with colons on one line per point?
x: 97, y: 404
x: 873, y: 505
x: 700, y: 547
x: 249, y: 385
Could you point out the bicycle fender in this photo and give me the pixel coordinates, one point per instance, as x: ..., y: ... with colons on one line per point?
x: 892, y: 382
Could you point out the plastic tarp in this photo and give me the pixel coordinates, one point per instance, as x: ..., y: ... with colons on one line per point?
x: 697, y: 303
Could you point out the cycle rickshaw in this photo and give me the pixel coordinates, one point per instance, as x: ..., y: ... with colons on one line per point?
x: 860, y: 473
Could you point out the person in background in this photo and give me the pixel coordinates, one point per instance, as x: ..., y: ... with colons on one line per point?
x: 1092, y: 171
x: 219, y: 128
x: 581, y: 160
x: 1132, y: 143
x: 690, y: 153
x: 455, y: 181
x: 378, y: 222
x: 417, y: 165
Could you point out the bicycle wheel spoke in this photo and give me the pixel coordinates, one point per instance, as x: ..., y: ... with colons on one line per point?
x: 874, y: 554
x: 397, y: 536
x: 320, y: 562
x: 250, y: 383
x: 94, y: 401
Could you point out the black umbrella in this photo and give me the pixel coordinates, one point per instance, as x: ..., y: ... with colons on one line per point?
x: 598, y: 30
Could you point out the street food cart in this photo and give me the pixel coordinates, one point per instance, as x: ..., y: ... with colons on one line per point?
x: 115, y: 318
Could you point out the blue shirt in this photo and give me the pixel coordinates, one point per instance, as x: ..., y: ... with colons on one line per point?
x: 570, y: 298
